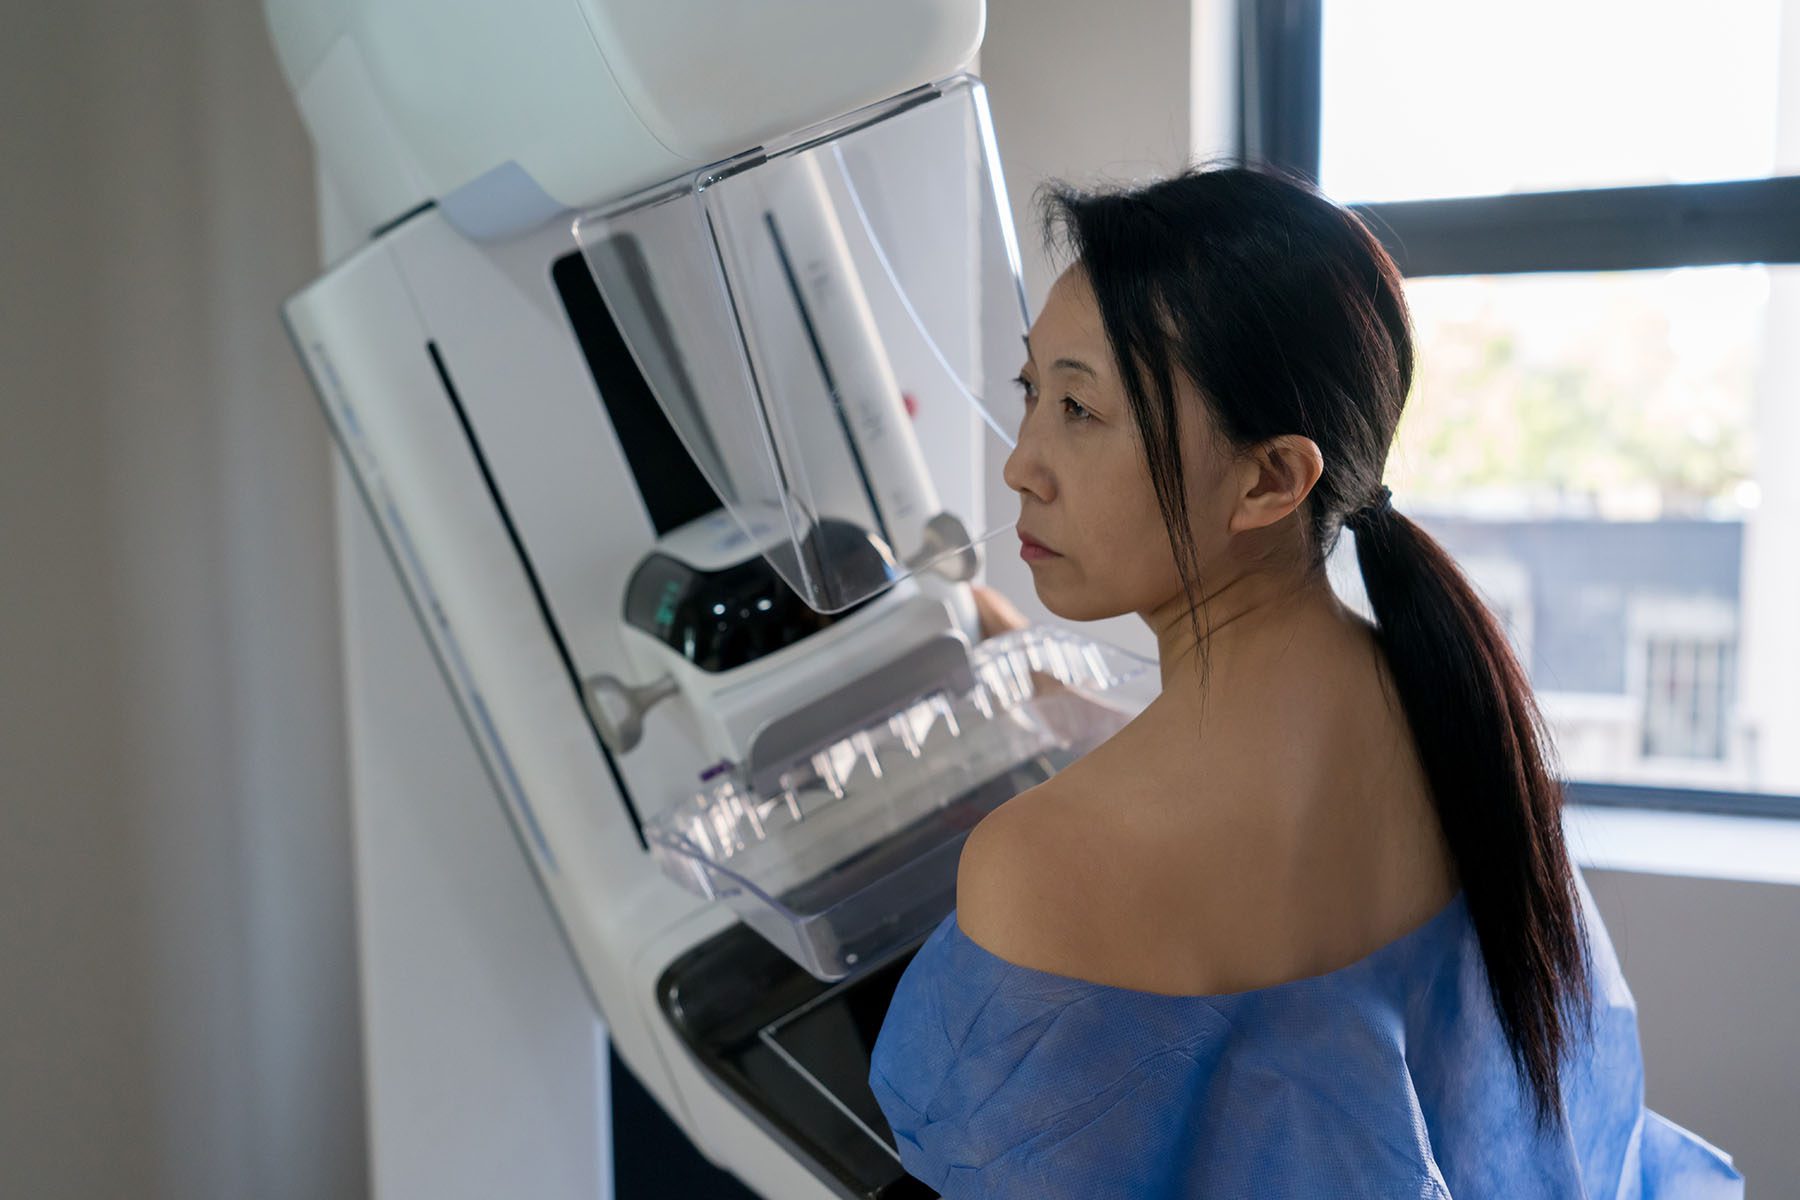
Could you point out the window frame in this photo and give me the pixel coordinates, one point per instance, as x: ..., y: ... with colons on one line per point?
x: 1280, y: 95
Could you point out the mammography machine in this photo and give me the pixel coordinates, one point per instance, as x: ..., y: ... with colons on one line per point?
x: 669, y: 371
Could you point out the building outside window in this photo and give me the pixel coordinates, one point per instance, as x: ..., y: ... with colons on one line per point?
x: 1687, y: 697
x: 1684, y: 654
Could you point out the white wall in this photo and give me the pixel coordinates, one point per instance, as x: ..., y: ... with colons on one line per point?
x: 177, y: 999
x: 1715, y: 967
x: 1084, y: 103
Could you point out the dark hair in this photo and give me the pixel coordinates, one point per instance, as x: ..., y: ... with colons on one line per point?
x: 1288, y: 316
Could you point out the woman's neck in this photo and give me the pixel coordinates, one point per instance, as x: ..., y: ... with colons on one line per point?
x: 1248, y: 622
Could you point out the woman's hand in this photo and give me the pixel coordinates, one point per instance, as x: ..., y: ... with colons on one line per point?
x: 996, y: 613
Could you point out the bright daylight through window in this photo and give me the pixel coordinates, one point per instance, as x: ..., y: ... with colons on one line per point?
x: 1605, y: 452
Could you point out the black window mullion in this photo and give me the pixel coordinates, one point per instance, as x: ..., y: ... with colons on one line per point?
x: 1681, y: 799
x: 1594, y: 229
x: 1280, y: 83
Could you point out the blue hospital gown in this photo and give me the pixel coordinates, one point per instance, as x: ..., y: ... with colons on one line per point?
x: 1389, y: 1077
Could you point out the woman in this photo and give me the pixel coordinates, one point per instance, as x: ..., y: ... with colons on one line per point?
x: 1306, y: 926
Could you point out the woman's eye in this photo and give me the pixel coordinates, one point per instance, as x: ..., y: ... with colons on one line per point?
x: 1073, y: 409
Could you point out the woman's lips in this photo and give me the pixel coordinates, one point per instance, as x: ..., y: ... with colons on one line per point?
x: 1032, y: 550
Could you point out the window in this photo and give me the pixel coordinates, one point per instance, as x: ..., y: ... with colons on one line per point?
x: 1594, y: 204
x: 1684, y: 667
x: 1538, y: 95
x: 1687, y: 697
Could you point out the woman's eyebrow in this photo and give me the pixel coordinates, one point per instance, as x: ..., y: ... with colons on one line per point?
x: 1066, y: 364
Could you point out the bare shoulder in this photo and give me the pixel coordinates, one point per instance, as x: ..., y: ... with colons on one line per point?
x: 1074, y: 878
x: 1122, y: 870
x: 1019, y: 883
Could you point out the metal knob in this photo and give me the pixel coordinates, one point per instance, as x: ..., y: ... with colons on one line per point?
x: 946, y: 550
x: 618, y: 707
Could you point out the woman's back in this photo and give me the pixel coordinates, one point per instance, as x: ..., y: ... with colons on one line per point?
x: 1286, y: 832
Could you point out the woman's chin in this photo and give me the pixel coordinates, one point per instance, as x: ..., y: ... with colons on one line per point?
x: 1047, y: 596
x: 1071, y: 603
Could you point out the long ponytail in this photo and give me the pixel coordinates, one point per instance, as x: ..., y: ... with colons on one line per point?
x: 1290, y: 317
x: 1482, y: 741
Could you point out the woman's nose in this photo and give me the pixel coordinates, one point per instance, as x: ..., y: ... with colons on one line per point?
x: 1025, y: 469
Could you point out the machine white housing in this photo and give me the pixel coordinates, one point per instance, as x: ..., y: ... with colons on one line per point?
x: 514, y: 437
x: 506, y: 114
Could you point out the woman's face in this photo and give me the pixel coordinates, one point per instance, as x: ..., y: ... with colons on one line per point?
x: 1082, y: 477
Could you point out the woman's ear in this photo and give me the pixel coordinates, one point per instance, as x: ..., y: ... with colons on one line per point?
x: 1275, y: 478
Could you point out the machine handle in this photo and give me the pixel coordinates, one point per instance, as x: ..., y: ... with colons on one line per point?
x: 946, y: 549
x: 618, y: 707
